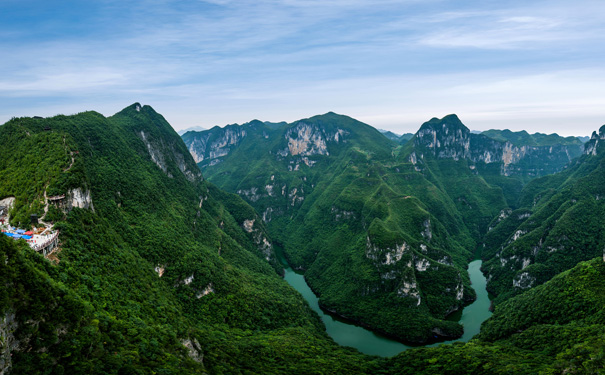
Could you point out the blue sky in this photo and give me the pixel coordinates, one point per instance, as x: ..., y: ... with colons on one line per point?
x: 534, y: 65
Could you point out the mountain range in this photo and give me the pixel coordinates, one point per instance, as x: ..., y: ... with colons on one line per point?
x: 169, y: 265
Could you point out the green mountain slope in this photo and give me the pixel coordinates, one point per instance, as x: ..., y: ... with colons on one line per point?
x: 555, y: 328
x: 523, y: 138
x: 382, y: 230
x: 158, y: 270
x: 558, y: 225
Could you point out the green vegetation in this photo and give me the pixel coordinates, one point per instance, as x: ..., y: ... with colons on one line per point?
x: 523, y: 138
x: 558, y: 225
x: 103, y: 308
x: 165, y: 273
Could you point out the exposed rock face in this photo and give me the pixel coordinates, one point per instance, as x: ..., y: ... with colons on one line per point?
x: 524, y: 280
x: 306, y: 140
x: 8, y: 343
x: 156, y: 155
x: 591, y: 147
x: 79, y: 198
x: 409, y: 288
x: 161, y: 154
x: 259, y: 238
x: 207, y: 290
x: 211, y: 145
x: 385, y: 256
x: 448, y: 138
x: 5, y: 205
x: 194, y: 350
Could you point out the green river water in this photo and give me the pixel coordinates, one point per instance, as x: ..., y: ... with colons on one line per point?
x: 368, y: 342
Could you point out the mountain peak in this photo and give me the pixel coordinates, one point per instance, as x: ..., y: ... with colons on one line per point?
x: 446, y: 137
x: 592, y: 146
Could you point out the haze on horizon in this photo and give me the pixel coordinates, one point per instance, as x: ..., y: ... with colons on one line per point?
x: 510, y: 64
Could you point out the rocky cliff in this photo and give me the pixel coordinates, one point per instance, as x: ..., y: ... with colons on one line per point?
x: 593, y: 145
x: 448, y: 138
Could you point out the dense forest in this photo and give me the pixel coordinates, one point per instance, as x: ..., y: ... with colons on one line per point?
x: 165, y: 273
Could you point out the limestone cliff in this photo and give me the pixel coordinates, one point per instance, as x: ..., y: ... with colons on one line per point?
x: 593, y: 145
x: 449, y: 138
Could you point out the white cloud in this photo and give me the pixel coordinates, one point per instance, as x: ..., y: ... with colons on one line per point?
x: 390, y: 63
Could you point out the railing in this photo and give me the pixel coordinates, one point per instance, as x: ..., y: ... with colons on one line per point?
x: 45, y: 244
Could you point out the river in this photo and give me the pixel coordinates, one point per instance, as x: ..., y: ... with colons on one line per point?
x: 368, y: 342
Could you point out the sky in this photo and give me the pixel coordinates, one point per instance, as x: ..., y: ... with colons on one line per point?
x: 533, y: 65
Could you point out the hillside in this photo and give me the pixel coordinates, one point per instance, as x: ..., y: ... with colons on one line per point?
x: 380, y: 229
x: 555, y: 328
x: 559, y: 223
x: 160, y: 272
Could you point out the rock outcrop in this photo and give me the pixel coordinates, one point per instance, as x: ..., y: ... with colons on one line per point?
x: 448, y: 138
x: 592, y: 146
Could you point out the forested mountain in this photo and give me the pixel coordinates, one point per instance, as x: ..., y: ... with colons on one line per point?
x: 382, y: 230
x: 396, y: 137
x: 523, y: 138
x: 559, y: 222
x: 161, y: 272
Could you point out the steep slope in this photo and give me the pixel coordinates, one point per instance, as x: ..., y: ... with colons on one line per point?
x: 555, y: 328
x: 449, y: 138
x: 558, y: 225
x: 159, y: 271
x: 379, y: 232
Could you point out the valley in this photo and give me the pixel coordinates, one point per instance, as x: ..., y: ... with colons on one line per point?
x: 175, y: 250
x: 382, y: 231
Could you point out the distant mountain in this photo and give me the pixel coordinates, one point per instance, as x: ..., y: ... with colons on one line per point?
x: 396, y: 137
x: 390, y: 135
x: 275, y: 125
x: 523, y: 138
x: 405, y: 137
x: 583, y: 139
x: 449, y: 138
x: 191, y: 129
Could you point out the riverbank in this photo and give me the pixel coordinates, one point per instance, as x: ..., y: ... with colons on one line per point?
x: 346, y: 333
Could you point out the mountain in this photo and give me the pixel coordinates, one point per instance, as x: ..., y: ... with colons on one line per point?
x: 523, y: 138
x: 191, y: 129
x: 449, y: 138
x: 157, y: 270
x: 408, y: 217
x: 555, y: 328
x: 340, y: 180
x: 396, y: 137
x: 390, y: 135
x: 405, y: 137
x: 558, y: 224
x: 160, y: 271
